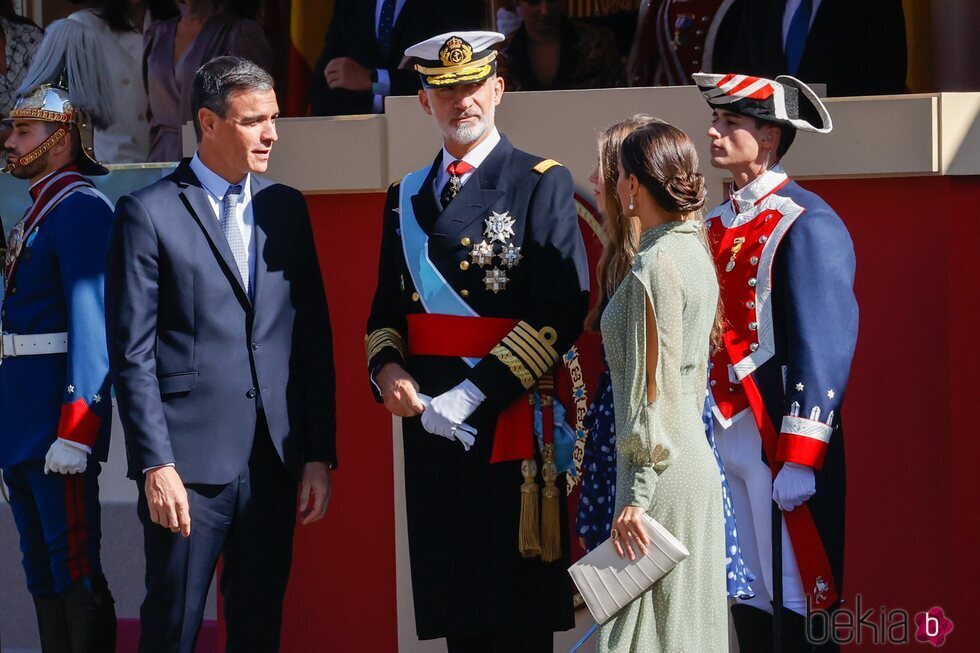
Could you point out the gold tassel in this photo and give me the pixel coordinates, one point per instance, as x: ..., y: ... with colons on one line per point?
x: 550, y: 519
x: 529, y: 542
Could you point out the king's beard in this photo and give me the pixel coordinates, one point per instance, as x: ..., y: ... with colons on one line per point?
x: 465, y: 133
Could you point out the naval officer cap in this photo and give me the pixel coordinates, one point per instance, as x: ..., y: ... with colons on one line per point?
x: 456, y: 58
x: 784, y: 100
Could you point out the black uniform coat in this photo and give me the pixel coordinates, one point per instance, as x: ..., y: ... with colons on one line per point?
x: 463, y: 512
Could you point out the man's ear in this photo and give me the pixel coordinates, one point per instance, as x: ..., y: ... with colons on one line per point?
x: 771, y: 136
x: 206, y: 118
x: 64, y: 144
x: 498, y: 89
x: 424, y: 101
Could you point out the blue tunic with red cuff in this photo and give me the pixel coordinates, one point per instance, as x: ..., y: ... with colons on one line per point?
x: 58, y: 287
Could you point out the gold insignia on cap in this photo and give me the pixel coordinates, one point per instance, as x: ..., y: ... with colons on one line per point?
x: 455, y: 52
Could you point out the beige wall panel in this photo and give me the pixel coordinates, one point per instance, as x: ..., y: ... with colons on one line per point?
x: 872, y: 136
x: 960, y: 133
x: 325, y: 154
x: 561, y: 125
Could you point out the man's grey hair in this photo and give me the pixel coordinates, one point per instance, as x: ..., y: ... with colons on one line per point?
x: 218, y: 79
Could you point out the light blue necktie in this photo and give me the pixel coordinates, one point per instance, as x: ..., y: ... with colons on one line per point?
x: 799, y: 28
x: 229, y: 226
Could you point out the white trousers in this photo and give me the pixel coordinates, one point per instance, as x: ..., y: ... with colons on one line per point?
x: 740, y: 447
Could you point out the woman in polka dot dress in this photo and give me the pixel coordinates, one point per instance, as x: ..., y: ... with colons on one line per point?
x: 598, y: 494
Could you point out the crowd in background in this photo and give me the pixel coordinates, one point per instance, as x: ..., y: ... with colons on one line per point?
x: 154, y: 48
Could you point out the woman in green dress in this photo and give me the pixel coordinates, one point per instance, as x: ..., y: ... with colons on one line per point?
x: 657, y: 330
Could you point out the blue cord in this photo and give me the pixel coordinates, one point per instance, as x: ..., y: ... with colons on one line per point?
x: 584, y: 637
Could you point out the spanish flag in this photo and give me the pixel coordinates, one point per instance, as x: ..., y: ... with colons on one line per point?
x: 308, y: 22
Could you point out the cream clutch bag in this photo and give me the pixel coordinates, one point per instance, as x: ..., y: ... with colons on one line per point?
x: 607, y: 582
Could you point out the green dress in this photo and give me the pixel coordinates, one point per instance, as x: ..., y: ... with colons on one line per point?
x: 664, y: 462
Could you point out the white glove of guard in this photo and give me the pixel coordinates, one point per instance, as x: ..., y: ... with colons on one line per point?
x: 794, y: 484
x: 508, y: 21
x: 66, y: 457
x: 446, y: 414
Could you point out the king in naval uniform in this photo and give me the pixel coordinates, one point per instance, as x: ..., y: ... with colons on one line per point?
x: 785, y: 265
x: 54, y: 367
x: 482, y: 287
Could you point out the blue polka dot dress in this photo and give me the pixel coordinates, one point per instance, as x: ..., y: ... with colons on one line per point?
x: 598, y: 494
x: 737, y: 573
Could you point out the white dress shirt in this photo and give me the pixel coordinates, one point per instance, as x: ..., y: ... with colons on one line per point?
x: 474, y: 157
x: 216, y: 187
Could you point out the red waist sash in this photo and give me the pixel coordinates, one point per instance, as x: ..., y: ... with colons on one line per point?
x: 431, y: 334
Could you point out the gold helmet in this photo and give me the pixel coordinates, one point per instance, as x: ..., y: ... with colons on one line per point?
x: 51, y: 103
x: 68, y: 83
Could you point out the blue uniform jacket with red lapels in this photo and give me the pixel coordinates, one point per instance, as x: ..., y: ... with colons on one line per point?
x: 58, y: 288
x: 786, y: 267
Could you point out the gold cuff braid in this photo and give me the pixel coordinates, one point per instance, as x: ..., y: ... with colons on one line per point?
x: 381, y: 338
x: 515, y: 366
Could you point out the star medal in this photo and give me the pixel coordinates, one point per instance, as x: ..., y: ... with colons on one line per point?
x: 736, y: 246
x: 510, y: 255
x: 482, y: 254
x: 499, y: 226
x: 495, y: 280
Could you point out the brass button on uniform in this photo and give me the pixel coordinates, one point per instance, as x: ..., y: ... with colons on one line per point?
x: 464, y: 292
x: 415, y: 296
x: 464, y: 265
x: 466, y: 242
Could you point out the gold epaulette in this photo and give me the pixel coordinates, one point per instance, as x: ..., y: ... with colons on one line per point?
x: 545, y: 166
x: 377, y: 340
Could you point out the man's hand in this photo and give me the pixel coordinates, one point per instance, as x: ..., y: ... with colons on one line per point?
x: 399, y: 391
x: 166, y: 499
x: 794, y: 485
x: 344, y: 72
x: 628, y: 534
x: 314, y: 492
x: 66, y: 457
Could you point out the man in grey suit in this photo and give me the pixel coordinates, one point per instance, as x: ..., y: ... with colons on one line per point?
x: 220, y: 349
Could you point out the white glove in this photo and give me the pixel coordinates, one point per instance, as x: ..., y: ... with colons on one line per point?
x: 508, y: 21
x: 446, y: 414
x: 66, y: 457
x: 794, y: 484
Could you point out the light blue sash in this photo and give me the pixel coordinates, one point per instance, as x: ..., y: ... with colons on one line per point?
x: 436, y: 294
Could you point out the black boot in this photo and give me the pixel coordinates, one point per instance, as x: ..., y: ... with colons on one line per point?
x: 799, y: 637
x: 52, y: 624
x: 91, y: 616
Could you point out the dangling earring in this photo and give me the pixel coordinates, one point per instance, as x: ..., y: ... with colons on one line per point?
x: 631, y: 206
